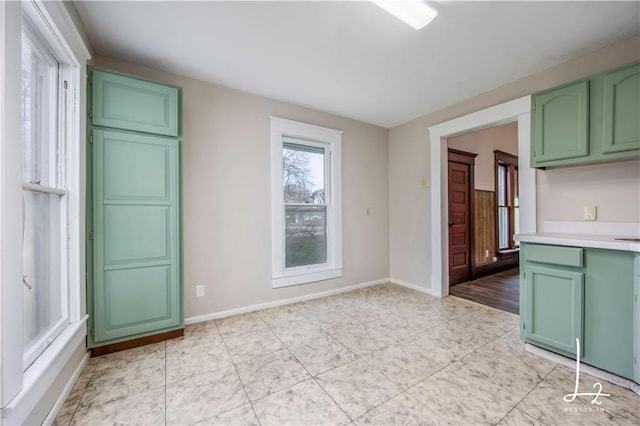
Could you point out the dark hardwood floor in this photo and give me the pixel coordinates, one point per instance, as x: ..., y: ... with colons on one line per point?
x: 500, y: 291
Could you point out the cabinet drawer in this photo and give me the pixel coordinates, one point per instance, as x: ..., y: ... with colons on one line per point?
x: 554, y: 255
x: 129, y: 103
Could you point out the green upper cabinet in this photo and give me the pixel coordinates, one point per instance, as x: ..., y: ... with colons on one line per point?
x: 592, y: 120
x: 622, y: 110
x: 129, y: 103
x: 562, y: 123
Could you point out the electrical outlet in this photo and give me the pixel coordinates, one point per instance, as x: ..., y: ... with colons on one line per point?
x: 199, y: 291
x: 590, y: 212
x: 425, y: 183
x: 486, y: 253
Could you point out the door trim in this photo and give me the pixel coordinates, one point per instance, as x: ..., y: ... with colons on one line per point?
x: 516, y: 110
x: 468, y: 158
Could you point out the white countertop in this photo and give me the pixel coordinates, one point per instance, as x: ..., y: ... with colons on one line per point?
x: 582, y: 240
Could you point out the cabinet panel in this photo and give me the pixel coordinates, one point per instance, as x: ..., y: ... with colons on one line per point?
x: 128, y: 103
x: 553, y: 307
x: 622, y: 110
x: 608, y: 311
x: 561, y: 123
x: 136, y: 286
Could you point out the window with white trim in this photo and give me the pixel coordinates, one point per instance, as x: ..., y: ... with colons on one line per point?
x: 306, y: 203
x: 45, y: 205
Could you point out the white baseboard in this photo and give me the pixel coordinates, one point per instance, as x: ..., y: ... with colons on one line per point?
x: 281, y: 302
x: 413, y: 287
x: 585, y: 368
x: 66, y: 391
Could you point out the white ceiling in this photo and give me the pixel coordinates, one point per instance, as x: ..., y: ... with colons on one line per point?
x: 352, y: 58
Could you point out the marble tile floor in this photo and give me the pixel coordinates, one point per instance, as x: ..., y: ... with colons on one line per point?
x: 382, y: 355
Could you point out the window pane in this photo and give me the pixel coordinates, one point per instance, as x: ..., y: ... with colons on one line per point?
x: 306, y: 235
x: 502, y: 184
x: 41, y: 264
x: 516, y: 223
x: 303, y: 174
x: 503, y: 227
x: 38, y: 116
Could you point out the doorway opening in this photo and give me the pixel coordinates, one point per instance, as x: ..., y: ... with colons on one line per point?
x: 483, y: 204
x: 517, y: 110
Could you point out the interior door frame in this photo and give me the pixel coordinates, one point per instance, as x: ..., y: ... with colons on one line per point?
x: 468, y: 158
x: 517, y: 110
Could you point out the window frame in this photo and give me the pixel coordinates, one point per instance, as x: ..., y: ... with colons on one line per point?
x: 287, y: 131
x: 510, y: 161
x: 55, y: 184
x: 35, y: 389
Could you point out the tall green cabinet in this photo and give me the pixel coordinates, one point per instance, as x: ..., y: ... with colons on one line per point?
x: 134, y: 247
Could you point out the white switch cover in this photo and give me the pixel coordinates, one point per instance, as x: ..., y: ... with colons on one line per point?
x: 199, y: 291
x: 590, y: 212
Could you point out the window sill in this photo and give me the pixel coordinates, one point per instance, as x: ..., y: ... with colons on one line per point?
x: 43, y: 372
x: 306, y: 277
x: 506, y: 253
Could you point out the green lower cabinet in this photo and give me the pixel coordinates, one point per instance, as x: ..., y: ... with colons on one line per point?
x: 594, y: 300
x: 553, y: 314
x: 608, y: 309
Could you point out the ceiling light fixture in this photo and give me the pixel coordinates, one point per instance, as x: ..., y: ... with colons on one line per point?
x: 414, y: 13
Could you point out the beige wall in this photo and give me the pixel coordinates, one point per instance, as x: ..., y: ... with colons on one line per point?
x: 484, y: 142
x: 613, y: 188
x: 226, y: 172
x: 409, y: 161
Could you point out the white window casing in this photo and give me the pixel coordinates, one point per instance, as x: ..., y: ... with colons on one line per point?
x: 51, y: 27
x: 315, y: 137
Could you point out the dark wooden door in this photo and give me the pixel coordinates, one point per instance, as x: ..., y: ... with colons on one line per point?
x: 460, y: 178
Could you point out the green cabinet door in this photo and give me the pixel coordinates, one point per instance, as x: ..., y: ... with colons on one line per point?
x: 621, y: 131
x: 136, y: 250
x: 553, y: 307
x: 561, y: 123
x: 124, y: 102
x: 608, y: 311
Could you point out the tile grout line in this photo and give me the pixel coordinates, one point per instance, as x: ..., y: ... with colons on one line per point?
x: 235, y: 368
x: 528, y: 393
x: 309, y: 373
x: 83, y: 391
